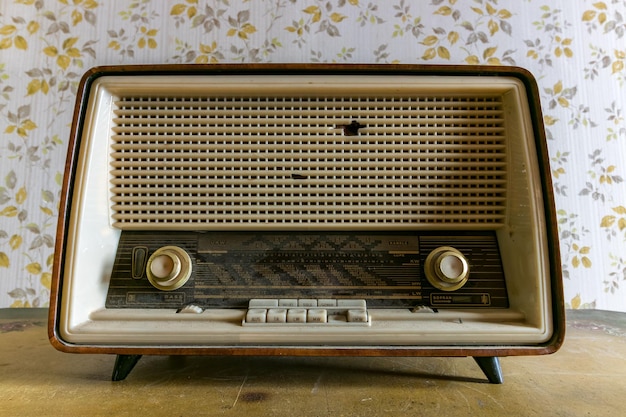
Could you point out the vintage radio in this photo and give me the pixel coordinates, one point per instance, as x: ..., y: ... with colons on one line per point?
x: 307, y: 210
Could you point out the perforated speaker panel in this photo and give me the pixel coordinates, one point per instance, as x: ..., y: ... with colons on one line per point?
x: 290, y: 155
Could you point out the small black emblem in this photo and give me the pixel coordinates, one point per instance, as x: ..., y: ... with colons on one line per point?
x: 352, y: 129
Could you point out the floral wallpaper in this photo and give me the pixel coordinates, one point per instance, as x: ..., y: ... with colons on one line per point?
x: 575, y: 49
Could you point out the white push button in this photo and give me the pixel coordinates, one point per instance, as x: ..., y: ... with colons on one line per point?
x: 358, y: 316
x: 307, y: 302
x: 256, y: 315
x: 263, y: 302
x: 317, y: 315
x: 296, y: 315
x: 351, y: 303
x: 276, y: 315
x: 288, y: 302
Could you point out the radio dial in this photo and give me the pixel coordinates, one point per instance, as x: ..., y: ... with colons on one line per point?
x: 168, y: 268
x: 446, y: 268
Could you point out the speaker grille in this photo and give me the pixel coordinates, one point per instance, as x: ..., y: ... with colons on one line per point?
x: 296, y: 162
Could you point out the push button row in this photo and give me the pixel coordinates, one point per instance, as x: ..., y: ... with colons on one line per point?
x: 306, y: 311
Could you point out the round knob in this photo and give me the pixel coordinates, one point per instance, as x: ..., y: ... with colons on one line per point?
x: 446, y: 268
x: 168, y: 268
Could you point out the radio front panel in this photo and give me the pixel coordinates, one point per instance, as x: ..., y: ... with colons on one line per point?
x: 230, y: 268
x: 307, y: 210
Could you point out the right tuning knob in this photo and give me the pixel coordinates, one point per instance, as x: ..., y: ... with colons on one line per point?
x: 446, y: 268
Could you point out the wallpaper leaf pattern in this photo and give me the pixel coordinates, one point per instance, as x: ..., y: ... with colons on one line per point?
x: 575, y: 50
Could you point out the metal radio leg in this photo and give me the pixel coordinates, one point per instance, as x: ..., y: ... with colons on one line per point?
x: 491, y: 367
x: 123, y: 365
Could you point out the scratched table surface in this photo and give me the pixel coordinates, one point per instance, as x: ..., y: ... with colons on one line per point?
x: 587, y: 377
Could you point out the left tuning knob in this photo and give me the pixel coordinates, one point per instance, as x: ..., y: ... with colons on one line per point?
x: 168, y: 268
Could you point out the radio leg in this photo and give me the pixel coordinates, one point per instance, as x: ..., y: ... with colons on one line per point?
x: 490, y: 366
x: 123, y: 365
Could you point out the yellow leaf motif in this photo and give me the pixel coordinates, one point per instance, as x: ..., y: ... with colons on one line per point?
x: 575, y: 303
x: 336, y: 17
x: 621, y: 224
x: 429, y: 40
x: 191, y: 12
x: 315, y: 11
x: 489, y: 52
x: 563, y: 102
x: 493, y: 27
x: 50, y: 51
x: 15, y: 242
x: 6, y: 43
x: 453, y: 37
x: 607, y: 221
x: 28, y: 124
x: 504, y: 14
x: 558, y: 172
x: 206, y: 49
x: 443, y: 52
x: 69, y: 42
x: 77, y: 17
x: 600, y: 5
x: 558, y: 87
x: 34, y: 268
x: 472, y: 60
x: 549, y: 120
x: 63, y: 61
x: 17, y: 304
x: 46, y: 210
x: 32, y: 27
x: 9, y: 211
x: 620, y: 54
x: 430, y: 53
x: 7, y: 29
x: 33, y: 87
x: 617, y: 66
x: 20, y: 197
x: 248, y: 28
x: 589, y: 15
x: 152, y: 44
x: 444, y: 11
x: 4, y: 260
x: 73, y: 52
x: 490, y: 9
x: 178, y: 9
x: 50, y: 260
x: 620, y: 209
x: 46, y: 280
